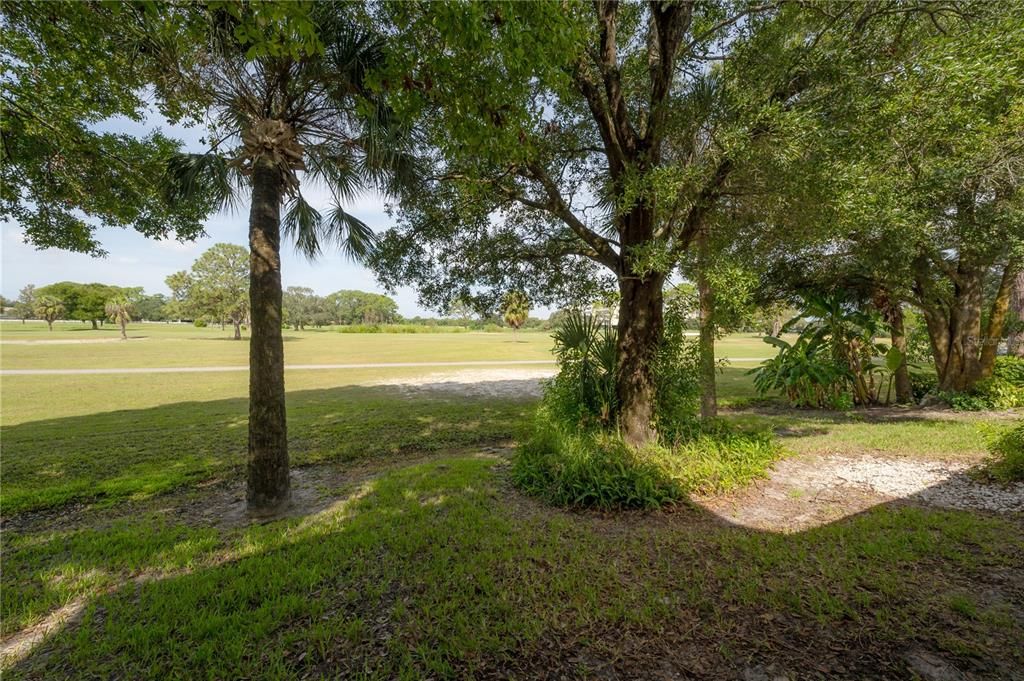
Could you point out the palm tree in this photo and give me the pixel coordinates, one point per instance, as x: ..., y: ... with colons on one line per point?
x: 280, y: 122
x: 47, y: 308
x: 120, y: 309
x: 515, y: 308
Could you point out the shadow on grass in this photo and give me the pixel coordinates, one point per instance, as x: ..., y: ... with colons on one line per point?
x: 136, y: 453
x: 440, y: 570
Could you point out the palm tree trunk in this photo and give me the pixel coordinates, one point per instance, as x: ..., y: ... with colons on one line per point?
x: 124, y: 329
x: 269, y: 487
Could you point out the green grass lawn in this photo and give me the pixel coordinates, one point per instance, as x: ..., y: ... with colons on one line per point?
x: 439, y: 570
x: 178, y: 345
x: 419, y: 558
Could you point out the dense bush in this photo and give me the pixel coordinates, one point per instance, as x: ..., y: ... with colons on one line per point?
x: 835, y: 362
x: 199, y: 323
x: 583, y: 392
x: 805, y: 374
x: 575, y: 457
x: 1006, y: 462
x: 595, y: 469
x: 1004, y: 389
x: 923, y: 383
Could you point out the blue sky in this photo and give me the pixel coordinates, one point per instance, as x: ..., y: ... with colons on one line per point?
x: 133, y: 260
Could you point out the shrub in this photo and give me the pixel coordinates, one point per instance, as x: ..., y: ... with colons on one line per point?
x: 596, y: 469
x: 199, y: 323
x: 583, y: 393
x: 1004, y: 389
x: 922, y: 384
x: 1006, y: 460
x: 805, y: 373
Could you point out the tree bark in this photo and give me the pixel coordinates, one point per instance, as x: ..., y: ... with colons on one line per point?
x: 269, y: 487
x: 997, y: 320
x: 48, y: 323
x: 898, y: 334
x: 94, y: 324
x: 238, y: 328
x: 1015, y: 340
x: 963, y: 367
x: 640, y: 328
x: 124, y: 330
x: 706, y: 305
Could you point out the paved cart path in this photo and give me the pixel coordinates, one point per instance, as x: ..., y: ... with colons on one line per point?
x: 245, y: 367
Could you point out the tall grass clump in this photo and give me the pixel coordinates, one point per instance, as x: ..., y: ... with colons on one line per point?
x: 575, y: 457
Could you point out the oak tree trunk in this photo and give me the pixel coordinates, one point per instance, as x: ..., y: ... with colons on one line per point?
x: 641, y: 324
x: 898, y: 335
x: 269, y: 488
x: 94, y: 324
x: 1015, y: 340
x: 997, y: 320
x: 238, y: 328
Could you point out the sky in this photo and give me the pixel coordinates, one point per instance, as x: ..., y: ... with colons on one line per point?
x: 134, y: 260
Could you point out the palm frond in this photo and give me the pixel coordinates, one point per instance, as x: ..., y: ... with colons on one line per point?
x: 353, y: 236
x: 203, y: 178
x: 303, y: 224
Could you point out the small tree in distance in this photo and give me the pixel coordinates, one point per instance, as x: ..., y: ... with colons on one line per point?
x: 119, y: 310
x: 25, y: 306
x: 49, y: 309
x: 515, y: 308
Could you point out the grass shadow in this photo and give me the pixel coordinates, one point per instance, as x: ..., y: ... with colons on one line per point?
x: 440, y: 570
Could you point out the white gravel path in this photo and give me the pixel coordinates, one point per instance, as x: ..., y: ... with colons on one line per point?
x: 936, y: 483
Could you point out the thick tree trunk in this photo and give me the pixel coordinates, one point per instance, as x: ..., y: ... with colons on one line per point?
x: 94, y: 324
x: 48, y: 323
x: 269, y: 487
x: 963, y: 367
x: 997, y: 320
x: 124, y: 330
x: 641, y: 324
x: 898, y: 334
x: 238, y: 328
x: 706, y: 305
x: 1015, y: 340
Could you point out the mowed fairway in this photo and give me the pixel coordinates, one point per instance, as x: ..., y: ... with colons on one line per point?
x: 127, y: 552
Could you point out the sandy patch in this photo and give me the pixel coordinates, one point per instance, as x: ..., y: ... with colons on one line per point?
x: 495, y: 383
x: 812, y: 491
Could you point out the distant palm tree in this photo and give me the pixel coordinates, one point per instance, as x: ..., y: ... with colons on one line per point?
x: 48, y: 308
x: 281, y: 121
x: 120, y: 310
x: 515, y: 309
